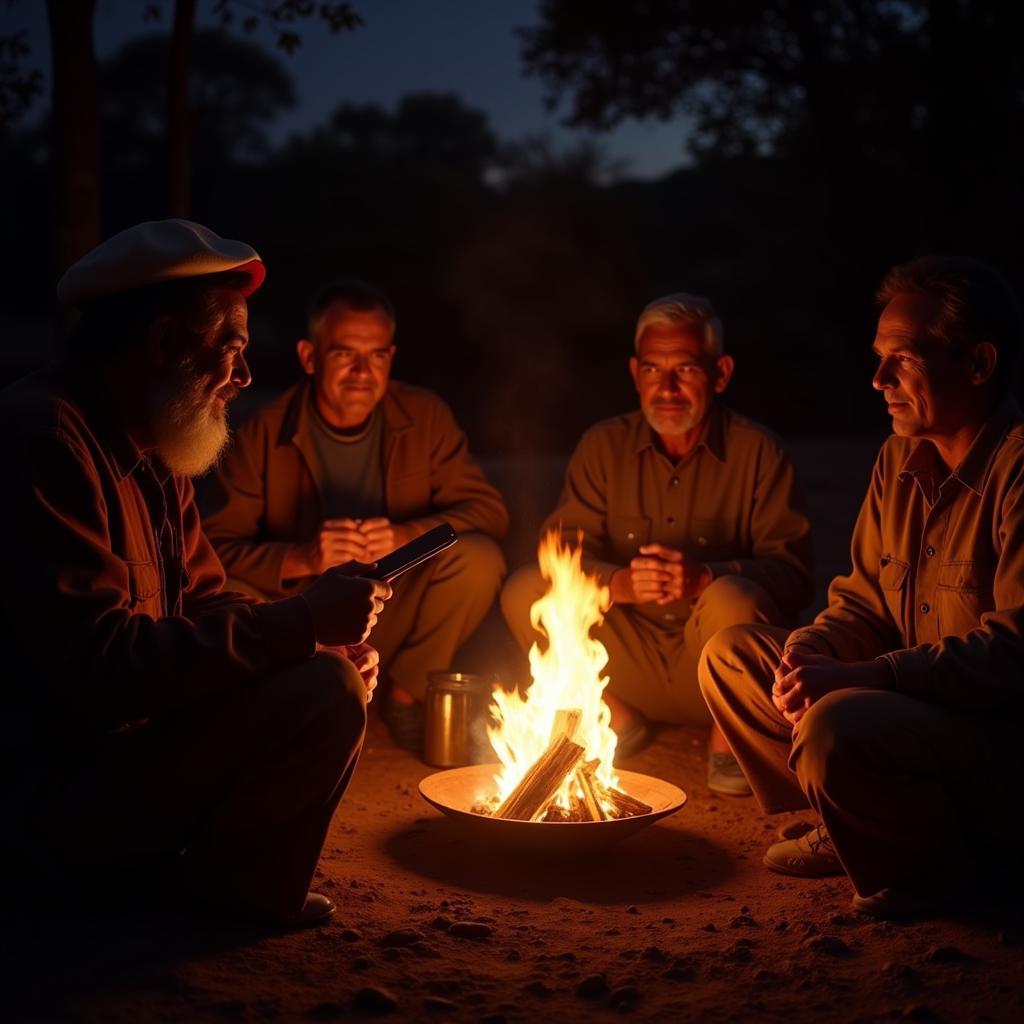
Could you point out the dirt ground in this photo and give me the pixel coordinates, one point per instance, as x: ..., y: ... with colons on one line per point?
x: 680, y: 922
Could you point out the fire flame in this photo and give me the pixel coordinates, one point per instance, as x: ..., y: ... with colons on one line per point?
x: 566, y: 675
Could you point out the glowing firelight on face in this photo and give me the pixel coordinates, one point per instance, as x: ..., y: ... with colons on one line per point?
x: 566, y: 675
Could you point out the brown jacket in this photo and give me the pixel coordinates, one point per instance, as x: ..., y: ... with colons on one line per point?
x: 731, y: 504
x: 266, y: 497
x: 937, y: 581
x: 112, y: 610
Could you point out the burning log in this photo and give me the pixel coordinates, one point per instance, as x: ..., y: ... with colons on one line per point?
x: 567, y: 721
x: 626, y: 806
x: 591, y: 801
x: 526, y: 802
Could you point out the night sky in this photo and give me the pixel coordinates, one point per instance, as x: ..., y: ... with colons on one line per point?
x: 463, y: 46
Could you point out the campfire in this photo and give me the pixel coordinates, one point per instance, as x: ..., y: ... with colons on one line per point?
x: 555, y: 743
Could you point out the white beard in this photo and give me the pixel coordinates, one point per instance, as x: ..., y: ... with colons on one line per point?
x: 191, y: 426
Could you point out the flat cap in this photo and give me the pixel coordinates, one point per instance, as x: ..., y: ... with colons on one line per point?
x: 155, y: 251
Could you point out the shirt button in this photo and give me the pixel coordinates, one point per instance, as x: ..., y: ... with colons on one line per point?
x: 671, y: 520
x: 669, y: 616
x: 925, y: 609
x: 629, y: 536
x: 674, y: 481
x: 929, y: 551
x: 702, y: 541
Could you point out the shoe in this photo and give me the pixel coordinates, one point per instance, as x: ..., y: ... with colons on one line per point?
x: 725, y: 775
x: 405, y: 722
x: 810, y: 856
x: 899, y: 901
x: 315, y: 910
x: 632, y: 739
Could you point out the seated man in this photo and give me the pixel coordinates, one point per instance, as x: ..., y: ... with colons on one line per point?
x: 349, y: 465
x: 155, y: 721
x: 896, y: 713
x: 690, y: 515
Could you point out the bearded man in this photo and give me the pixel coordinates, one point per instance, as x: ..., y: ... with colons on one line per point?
x: 155, y: 721
x: 690, y: 515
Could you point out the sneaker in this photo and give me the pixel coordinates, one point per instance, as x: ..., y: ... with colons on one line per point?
x: 405, y: 722
x: 899, y: 901
x: 725, y: 776
x: 810, y: 856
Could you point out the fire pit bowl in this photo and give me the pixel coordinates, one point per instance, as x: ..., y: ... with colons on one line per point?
x: 455, y: 791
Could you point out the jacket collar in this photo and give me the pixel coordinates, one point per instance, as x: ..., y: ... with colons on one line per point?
x: 923, y: 465
x: 712, y: 438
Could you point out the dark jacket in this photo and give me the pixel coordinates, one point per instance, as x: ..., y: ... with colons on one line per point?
x: 113, y: 610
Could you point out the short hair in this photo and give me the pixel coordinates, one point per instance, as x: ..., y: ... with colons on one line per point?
x: 682, y: 308
x: 975, y: 304
x: 357, y: 295
x: 112, y: 324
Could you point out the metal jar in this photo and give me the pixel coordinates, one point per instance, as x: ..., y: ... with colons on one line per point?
x: 456, y: 719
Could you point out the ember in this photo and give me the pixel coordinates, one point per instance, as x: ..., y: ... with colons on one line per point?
x: 555, y: 744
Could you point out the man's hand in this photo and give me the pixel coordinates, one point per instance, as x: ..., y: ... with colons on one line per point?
x: 804, y: 676
x: 382, y: 536
x: 659, y: 574
x: 345, y: 607
x: 366, y: 660
x: 337, y: 541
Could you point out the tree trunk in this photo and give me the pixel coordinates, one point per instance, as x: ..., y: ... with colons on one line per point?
x: 76, y: 128
x: 179, y: 115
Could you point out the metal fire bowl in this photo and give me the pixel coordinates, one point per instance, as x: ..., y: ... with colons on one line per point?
x: 455, y: 791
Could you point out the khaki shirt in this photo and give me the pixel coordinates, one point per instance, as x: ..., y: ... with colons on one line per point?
x: 937, y: 580
x: 732, y: 503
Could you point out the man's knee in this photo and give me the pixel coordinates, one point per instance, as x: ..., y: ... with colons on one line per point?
x: 727, y: 649
x: 521, y: 590
x: 734, y: 599
x: 479, y: 563
x: 332, y: 692
x: 836, y: 731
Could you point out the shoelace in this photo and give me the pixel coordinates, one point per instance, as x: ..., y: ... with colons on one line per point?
x: 822, y: 838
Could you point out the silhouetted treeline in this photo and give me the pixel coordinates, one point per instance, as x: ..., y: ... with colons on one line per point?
x: 517, y: 271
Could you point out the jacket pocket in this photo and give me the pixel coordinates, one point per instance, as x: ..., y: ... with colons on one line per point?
x: 143, y: 582
x: 892, y: 578
x: 959, y: 598
x: 959, y: 576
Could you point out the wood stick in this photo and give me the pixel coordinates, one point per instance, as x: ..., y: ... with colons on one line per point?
x: 567, y: 721
x: 526, y: 802
x: 628, y: 805
x: 578, y: 809
x: 592, y: 802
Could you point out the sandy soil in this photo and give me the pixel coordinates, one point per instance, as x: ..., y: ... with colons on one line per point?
x: 680, y: 922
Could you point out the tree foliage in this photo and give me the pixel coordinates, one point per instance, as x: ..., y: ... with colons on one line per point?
x: 236, y: 89
x: 19, y: 85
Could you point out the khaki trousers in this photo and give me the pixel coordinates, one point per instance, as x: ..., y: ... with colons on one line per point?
x: 905, y: 788
x: 232, y: 796
x: 651, y: 667
x: 435, y: 607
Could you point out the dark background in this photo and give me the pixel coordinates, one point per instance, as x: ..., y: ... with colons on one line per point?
x: 818, y: 144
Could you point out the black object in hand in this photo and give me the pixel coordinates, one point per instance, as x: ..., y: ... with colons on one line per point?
x: 408, y: 556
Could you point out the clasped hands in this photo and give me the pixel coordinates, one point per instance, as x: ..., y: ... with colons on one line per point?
x: 660, y: 575
x: 353, y: 540
x: 804, y: 676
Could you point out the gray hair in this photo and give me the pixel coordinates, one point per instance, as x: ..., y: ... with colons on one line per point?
x: 682, y: 308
